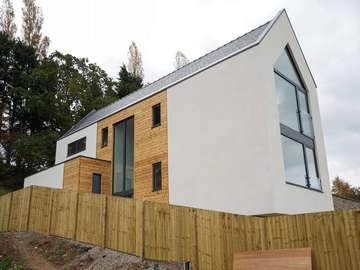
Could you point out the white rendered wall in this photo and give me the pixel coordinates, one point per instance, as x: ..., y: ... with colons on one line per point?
x: 90, y: 151
x: 52, y: 177
x: 224, y: 137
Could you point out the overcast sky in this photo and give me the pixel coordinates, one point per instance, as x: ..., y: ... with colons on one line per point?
x: 328, y: 31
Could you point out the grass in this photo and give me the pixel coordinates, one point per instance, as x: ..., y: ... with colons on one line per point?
x: 5, y: 264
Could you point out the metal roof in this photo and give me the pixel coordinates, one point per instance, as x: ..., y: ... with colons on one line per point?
x: 230, y: 49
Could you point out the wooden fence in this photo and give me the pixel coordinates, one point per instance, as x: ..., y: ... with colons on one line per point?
x: 165, y: 232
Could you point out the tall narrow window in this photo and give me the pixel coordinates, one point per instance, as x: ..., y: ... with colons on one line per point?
x: 156, y: 115
x: 296, y: 125
x: 96, y: 183
x: 104, y: 137
x: 123, y: 158
x: 76, y: 147
x: 157, y: 183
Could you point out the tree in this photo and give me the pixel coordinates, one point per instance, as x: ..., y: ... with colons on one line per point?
x: 343, y: 189
x: 32, y: 25
x: 180, y: 60
x: 39, y: 101
x: 135, y: 65
x: 127, y: 82
x: 7, y: 17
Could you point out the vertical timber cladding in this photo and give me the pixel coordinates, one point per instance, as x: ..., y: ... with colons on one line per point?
x: 78, y: 173
x: 150, y: 145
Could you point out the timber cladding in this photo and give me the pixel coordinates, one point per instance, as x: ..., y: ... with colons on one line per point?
x: 160, y: 231
x: 78, y: 173
x: 150, y: 145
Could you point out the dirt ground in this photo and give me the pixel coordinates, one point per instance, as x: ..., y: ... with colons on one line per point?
x: 20, y: 251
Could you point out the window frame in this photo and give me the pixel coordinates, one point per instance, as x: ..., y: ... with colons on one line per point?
x: 96, y: 174
x: 103, y: 130
x: 77, y: 150
x: 154, y: 107
x: 299, y: 136
x: 155, y: 188
x: 125, y: 193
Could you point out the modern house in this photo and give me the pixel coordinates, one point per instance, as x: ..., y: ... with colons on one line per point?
x: 237, y: 130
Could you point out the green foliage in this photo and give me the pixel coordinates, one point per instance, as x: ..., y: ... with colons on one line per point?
x: 40, y: 101
x: 343, y: 189
x: 5, y: 263
x: 127, y: 82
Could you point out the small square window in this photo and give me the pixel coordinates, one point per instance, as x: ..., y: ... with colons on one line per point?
x: 104, y: 137
x: 156, y: 115
x: 157, y: 176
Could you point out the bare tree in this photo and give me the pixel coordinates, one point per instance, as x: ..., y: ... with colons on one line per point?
x: 7, y: 17
x: 32, y: 24
x: 180, y: 60
x: 135, y: 65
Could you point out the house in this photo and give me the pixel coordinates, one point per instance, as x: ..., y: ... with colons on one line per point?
x: 237, y: 130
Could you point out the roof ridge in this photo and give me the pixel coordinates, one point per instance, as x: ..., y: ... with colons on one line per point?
x: 229, y: 49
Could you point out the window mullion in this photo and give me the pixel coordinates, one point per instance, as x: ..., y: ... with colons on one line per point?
x: 306, y: 167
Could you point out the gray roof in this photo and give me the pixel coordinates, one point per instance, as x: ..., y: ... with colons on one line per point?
x: 232, y: 48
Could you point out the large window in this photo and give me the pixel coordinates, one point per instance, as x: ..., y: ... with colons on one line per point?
x: 123, y: 168
x: 296, y: 125
x: 76, y: 147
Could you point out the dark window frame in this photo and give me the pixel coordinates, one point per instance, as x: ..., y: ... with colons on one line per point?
x: 126, y: 193
x: 104, y: 142
x: 155, y: 184
x: 77, y: 147
x: 96, y: 174
x: 300, y: 136
x: 154, y: 107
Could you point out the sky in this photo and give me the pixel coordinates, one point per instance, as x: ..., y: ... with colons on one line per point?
x: 328, y: 31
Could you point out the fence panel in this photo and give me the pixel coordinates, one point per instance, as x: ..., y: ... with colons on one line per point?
x: 91, y: 218
x: 173, y: 233
x: 121, y: 224
x: 19, y: 211
x: 40, y: 210
x: 64, y: 213
x: 5, y: 204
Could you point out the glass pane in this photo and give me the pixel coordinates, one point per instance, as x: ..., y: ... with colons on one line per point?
x: 129, y: 159
x: 314, y: 179
x: 82, y: 144
x: 305, y: 116
x: 306, y: 122
x: 286, y: 67
x: 287, y: 103
x: 294, y: 161
x: 119, y: 160
x: 156, y: 115
x: 96, y: 187
x: 157, y: 176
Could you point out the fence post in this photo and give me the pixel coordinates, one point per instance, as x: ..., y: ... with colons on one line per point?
x: 29, y: 209
x: 105, y: 221
x: 50, y: 211
x: 139, y: 232
x: 8, y: 216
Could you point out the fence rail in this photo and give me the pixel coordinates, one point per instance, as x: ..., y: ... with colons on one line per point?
x: 165, y: 232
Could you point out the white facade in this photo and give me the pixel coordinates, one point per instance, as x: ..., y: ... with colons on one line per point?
x: 225, y: 150
x: 52, y: 177
x: 90, y: 151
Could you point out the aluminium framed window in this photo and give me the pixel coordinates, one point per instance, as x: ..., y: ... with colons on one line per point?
x: 156, y: 115
x: 156, y: 176
x: 76, y: 147
x: 104, y: 137
x: 297, y: 134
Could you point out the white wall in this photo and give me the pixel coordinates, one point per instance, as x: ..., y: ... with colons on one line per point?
x: 224, y: 137
x: 52, y: 177
x: 90, y: 151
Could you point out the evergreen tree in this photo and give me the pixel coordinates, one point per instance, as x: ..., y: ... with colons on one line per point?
x: 127, y: 82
